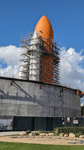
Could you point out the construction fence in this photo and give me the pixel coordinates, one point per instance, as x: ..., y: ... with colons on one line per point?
x: 45, y: 123
x: 16, y: 123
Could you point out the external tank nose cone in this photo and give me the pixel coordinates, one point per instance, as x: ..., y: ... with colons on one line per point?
x: 44, y: 28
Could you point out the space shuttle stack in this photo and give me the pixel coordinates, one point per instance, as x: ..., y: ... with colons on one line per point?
x: 41, y: 59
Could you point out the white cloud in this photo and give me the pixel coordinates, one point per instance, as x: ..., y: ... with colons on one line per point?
x: 72, y: 74
x: 71, y: 70
x: 11, y: 56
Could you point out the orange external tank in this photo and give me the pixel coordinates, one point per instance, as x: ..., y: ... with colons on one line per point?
x: 44, y: 29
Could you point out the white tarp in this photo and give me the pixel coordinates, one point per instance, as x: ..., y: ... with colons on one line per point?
x: 6, y: 124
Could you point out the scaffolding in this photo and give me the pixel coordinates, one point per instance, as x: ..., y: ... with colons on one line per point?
x: 43, y: 54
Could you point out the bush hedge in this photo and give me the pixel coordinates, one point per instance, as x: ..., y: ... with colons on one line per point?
x: 67, y: 130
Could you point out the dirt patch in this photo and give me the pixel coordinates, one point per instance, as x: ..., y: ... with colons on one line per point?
x: 54, y: 140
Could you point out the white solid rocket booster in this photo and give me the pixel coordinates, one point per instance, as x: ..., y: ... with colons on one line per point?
x: 33, y: 61
x: 34, y: 66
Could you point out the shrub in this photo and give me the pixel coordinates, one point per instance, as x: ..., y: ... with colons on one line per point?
x: 63, y: 134
x: 55, y: 130
x: 56, y: 134
x: 61, y: 131
x: 67, y: 130
x: 36, y: 133
x: 78, y: 134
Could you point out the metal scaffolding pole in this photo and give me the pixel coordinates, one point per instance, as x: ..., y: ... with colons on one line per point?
x: 48, y: 56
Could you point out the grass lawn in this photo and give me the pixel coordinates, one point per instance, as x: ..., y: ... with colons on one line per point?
x: 25, y: 146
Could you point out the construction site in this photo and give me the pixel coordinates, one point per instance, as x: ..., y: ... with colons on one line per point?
x: 35, y: 100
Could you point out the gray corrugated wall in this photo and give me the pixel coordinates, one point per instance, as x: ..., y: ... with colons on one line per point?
x: 18, y: 98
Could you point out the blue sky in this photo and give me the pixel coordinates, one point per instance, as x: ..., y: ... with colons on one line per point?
x: 67, y: 19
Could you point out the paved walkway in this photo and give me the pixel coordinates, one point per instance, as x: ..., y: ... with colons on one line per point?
x: 9, y: 133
